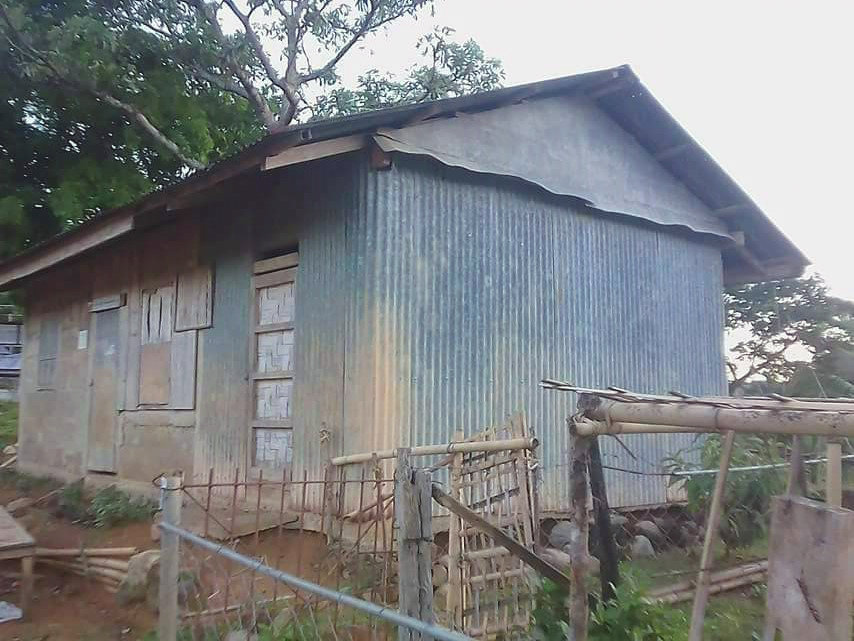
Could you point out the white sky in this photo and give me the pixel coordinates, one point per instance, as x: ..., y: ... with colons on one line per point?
x: 765, y: 87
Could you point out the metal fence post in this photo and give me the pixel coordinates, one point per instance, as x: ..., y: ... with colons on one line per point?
x: 414, y: 506
x: 170, y: 488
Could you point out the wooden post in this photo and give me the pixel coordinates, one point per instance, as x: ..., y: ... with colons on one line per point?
x: 609, y: 569
x: 797, y: 483
x: 170, y: 487
x: 834, y: 472
x: 414, y: 506
x: 701, y: 596
x: 454, y: 597
x: 578, y: 548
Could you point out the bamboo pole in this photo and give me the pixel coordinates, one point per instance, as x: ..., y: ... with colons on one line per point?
x: 834, y: 473
x: 86, y: 552
x: 454, y: 600
x: 714, y: 588
x: 578, y: 548
x: 702, y: 594
x: 446, y: 448
x: 711, y: 418
x: 715, y: 577
x: 600, y: 428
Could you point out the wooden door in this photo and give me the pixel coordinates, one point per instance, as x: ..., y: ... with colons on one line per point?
x: 104, y: 389
x: 274, y: 286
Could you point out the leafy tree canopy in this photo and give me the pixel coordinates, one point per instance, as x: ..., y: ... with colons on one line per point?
x: 106, y: 100
x: 798, y: 339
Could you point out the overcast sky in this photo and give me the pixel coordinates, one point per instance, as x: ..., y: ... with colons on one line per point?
x: 765, y: 87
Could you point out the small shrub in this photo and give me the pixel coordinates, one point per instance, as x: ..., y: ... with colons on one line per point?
x: 747, y: 499
x: 72, y: 502
x: 111, y: 506
x: 629, y: 617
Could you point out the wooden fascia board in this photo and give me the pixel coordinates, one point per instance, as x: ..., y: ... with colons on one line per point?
x: 314, y: 151
x: 93, y: 235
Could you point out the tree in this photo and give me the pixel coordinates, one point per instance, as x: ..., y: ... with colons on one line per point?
x: 799, y: 340
x: 106, y: 100
x: 280, y: 58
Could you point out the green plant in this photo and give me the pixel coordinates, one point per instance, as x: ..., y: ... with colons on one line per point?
x: 8, y: 424
x: 747, y: 498
x: 628, y: 617
x: 72, y: 502
x: 111, y: 506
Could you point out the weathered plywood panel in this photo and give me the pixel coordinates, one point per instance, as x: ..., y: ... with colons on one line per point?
x: 194, y: 304
x: 155, y: 366
x: 182, y: 376
x: 810, y: 571
x: 103, y: 417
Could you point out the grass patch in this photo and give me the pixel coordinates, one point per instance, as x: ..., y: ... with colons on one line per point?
x: 8, y: 424
x: 109, y: 506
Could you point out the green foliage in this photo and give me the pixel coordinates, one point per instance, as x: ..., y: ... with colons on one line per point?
x: 73, y: 503
x: 629, y: 617
x: 8, y: 424
x: 448, y: 69
x: 799, y: 339
x: 109, y: 506
x: 105, y: 102
x: 747, y: 497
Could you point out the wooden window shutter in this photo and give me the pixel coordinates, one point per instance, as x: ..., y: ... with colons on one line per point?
x: 194, y: 306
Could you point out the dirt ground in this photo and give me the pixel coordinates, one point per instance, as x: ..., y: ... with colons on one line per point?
x: 67, y: 607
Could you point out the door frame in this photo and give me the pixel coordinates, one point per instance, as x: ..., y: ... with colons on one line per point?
x: 266, y: 273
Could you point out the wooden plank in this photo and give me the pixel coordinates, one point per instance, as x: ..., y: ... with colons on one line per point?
x: 105, y: 303
x: 810, y: 571
x: 155, y: 366
x: 413, y: 505
x: 285, y: 423
x: 104, y: 392
x: 266, y: 376
x: 275, y: 264
x: 314, y: 151
x: 12, y: 535
x: 274, y: 327
x: 275, y: 278
x: 182, y: 370
x: 83, y: 239
x: 834, y: 473
x: 194, y: 299
x: 475, y: 520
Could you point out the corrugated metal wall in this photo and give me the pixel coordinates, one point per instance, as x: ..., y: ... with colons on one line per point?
x: 431, y: 299
x: 471, y: 288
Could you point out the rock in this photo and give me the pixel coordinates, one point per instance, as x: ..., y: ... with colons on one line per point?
x: 10, y: 450
x: 558, y: 558
x: 440, y: 574
x: 19, y: 506
x: 618, y: 521
x: 649, y: 530
x: 642, y: 548
x: 562, y: 534
x: 143, y: 571
x: 241, y: 635
x: 155, y: 530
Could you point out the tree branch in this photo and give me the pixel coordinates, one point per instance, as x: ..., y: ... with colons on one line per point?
x: 17, y: 39
x: 259, y: 104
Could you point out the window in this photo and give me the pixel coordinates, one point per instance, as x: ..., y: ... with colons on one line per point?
x: 48, y: 348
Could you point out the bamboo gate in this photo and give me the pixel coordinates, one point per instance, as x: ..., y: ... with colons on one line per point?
x: 615, y: 411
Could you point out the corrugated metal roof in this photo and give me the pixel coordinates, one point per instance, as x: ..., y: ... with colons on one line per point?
x: 618, y: 91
